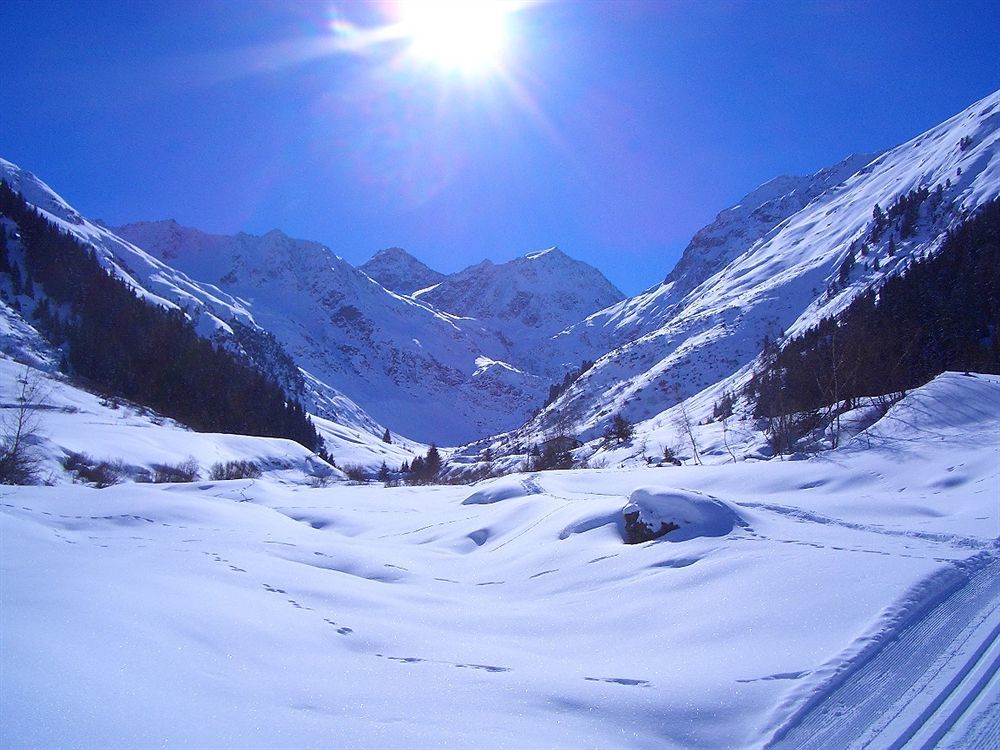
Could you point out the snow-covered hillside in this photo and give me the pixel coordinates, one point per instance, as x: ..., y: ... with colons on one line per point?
x: 399, y: 272
x: 216, y: 314
x: 254, y: 614
x: 771, y: 270
x: 105, y: 429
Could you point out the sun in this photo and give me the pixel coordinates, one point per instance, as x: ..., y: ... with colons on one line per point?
x: 466, y: 36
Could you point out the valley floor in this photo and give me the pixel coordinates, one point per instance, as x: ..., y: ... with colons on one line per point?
x: 855, y: 605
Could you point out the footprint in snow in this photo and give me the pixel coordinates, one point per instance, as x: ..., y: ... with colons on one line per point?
x: 544, y: 572
x: 598, y: 559
x: 340, y: 629
x: 620, y: 681
x: 418, y: 660
x: 484, y: 667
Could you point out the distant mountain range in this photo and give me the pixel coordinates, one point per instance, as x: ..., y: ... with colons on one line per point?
x: 468, y: 356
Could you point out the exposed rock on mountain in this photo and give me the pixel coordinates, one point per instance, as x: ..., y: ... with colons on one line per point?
x: 398, y: 271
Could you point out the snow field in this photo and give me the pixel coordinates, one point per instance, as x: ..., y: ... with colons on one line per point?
x: 260, y: 614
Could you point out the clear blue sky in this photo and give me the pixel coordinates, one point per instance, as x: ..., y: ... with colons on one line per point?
x: 618, y: 129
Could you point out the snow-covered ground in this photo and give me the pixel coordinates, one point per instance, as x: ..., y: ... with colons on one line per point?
x: 71, y: 420
x: 253, y: 613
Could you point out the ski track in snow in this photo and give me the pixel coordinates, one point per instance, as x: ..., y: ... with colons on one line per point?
x: 812, y: 517
x: 920, y: 684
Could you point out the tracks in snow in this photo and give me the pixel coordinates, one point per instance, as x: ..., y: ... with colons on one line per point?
x: 935, y: 679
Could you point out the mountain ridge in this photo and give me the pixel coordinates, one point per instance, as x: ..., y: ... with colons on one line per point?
x: 663, y: 346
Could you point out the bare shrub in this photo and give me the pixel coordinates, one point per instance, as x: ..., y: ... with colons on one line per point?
x: 101, y: 474
x: 319, y: 481
x: 185, y: 471
x: 19, y: 431
x: 234, y: 470
x: 355, y: 472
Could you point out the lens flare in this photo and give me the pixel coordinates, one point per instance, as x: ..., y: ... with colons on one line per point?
x: 467, y: 36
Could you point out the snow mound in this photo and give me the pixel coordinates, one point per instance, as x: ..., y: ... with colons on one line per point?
x: 953, y: 405
x: 504, y: 489
x: 679, y: 515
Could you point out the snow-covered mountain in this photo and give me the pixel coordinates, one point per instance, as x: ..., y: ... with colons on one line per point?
x: 771, y: 270
x: 473, y: 354
x: 336, y: 338
x: 217, y: 315
x: 526, y: 301
x: 399, y: 272
x: 545, y: 291
x: 424, y: 373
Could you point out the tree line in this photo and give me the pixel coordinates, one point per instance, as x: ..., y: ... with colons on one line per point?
x: 137, y: 350
x: 942, y: 313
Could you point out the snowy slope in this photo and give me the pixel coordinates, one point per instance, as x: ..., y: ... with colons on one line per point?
x: 511, y: 615
x: 710, y: 318
x: 71, y: 420
x: 216, y: 314
x: 413, y: 368
x: 712, y: 248
x: 399, y: 272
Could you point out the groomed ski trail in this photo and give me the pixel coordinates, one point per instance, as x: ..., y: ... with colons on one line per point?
x: 935, y: 683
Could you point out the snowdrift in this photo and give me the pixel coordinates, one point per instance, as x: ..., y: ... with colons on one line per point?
x: 503, y: 489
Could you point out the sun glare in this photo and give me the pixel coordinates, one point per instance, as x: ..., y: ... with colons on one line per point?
x: 467, y: 36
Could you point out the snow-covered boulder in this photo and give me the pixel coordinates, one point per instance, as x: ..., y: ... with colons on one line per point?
x: 679, y: 515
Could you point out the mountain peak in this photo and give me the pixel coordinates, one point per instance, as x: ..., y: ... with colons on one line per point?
x: 549, y: 253
x: 398, y: 271
x: 544, y: 290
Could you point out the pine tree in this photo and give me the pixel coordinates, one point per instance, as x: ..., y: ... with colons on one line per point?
x: 620, y: 430
x: 878, y: 216
x: 416, y: 474
x: 386, y: 437
x: 432, y: 463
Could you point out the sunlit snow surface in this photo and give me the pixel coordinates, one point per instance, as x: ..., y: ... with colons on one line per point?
x: 260, y: 614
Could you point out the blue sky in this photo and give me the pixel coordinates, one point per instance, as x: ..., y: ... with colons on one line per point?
x: 616, y: 131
